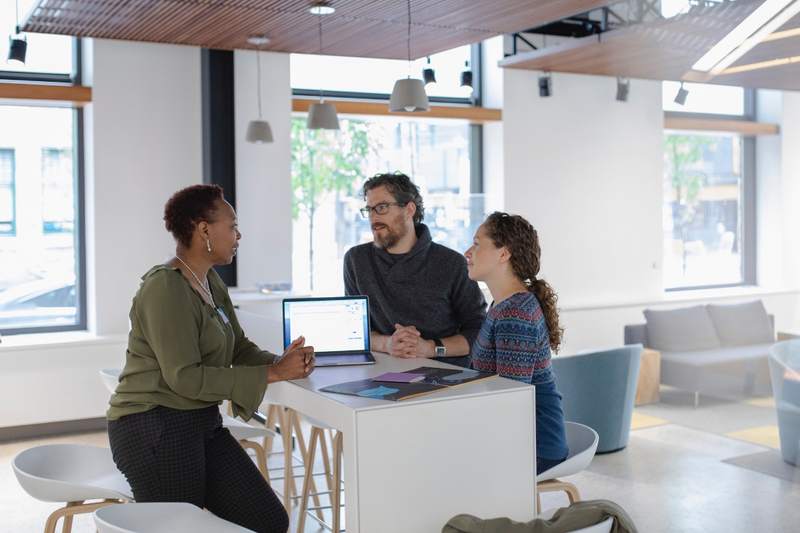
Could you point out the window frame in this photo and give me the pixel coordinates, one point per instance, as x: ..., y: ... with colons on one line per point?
x: 747, y: 190
x: 79, y: 173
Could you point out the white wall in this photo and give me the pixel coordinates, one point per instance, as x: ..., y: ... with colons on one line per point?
x: 586, y: 171
x: 145, y: 119
x: 263, y: 171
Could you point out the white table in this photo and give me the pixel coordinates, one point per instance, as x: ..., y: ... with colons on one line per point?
x: 414, y: 464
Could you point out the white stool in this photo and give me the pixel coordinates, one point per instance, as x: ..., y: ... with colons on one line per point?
x: 582, y: 443
x: 334, y: 480
x: 70, y: 473
x: 161, y: 517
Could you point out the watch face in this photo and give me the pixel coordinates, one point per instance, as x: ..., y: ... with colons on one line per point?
x: 440, y: 351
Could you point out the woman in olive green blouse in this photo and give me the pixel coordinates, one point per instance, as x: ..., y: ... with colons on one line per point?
x: 187, y: 353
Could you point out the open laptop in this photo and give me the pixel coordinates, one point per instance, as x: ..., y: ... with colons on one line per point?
x: 337, y: 328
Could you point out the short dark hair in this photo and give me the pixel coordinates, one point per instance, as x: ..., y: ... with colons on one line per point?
x: 401, y: 187
x: 189, y: 206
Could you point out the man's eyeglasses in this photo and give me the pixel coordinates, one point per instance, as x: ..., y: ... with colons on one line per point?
x: 379, y: 209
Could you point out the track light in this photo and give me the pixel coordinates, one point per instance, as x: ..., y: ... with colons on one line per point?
x: 623, y: 86
x: 17, y: 44
x: 17, y: 48
x: 680, y: 98
x: 428, y: 74
x: 545, y: 86
x: 466, y: 75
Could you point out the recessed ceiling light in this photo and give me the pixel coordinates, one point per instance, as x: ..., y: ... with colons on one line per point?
x: 258, y: 40
x: 321, y: 7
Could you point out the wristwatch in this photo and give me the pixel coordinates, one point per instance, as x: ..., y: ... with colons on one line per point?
x: 440, y: 349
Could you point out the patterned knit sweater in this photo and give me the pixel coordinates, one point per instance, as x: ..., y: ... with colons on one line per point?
x: 514, y: 341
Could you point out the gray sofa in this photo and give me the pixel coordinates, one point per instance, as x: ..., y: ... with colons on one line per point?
x: 714, y: 349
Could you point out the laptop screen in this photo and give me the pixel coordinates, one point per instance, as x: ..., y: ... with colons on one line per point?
x: 328, y: 324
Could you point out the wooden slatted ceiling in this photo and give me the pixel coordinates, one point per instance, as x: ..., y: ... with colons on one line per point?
x: 667, y: 49
x: 663, y: 49
x: 364, y: 28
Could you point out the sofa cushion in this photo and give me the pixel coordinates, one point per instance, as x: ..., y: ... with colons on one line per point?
x: 718, y: 356
x: 741, y: 324
x: 680, y: 330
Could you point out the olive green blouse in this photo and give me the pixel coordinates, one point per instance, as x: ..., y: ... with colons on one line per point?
x: 184, y: 354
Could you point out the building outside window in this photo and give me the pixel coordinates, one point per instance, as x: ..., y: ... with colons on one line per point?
x: 7, y: 205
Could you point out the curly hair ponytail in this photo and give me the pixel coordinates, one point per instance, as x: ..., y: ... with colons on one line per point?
x: 522, y: 241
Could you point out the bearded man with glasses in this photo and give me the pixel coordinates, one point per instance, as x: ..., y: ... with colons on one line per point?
x: 422, y: 302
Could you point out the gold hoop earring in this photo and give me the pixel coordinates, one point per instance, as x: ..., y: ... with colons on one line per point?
x: 208, y: 245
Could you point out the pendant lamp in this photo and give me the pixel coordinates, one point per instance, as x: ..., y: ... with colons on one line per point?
x: 409, y: 94
x: 322, y: 115
x: 259, y: 131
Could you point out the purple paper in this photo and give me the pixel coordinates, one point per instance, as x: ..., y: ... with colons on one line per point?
x: 399, y: 377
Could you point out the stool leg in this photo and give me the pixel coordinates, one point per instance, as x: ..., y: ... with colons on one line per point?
x: 309, y: 470
x: 66, y: 526
x: 273, y: 416
x: 301, y: 443
x: 337, y: 480
x: 288, y: 471
x: 326, y: 461
x: 261, y: 456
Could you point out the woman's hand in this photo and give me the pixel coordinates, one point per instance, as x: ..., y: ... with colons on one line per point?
x: 297, y: 362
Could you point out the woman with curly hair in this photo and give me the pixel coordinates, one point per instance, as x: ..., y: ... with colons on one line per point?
x: 186, y: 354
x: 521, y: 327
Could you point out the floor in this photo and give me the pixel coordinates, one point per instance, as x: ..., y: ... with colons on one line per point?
x: 672, y: 477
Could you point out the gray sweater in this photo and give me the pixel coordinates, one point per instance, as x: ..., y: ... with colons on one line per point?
x: 428, y: 288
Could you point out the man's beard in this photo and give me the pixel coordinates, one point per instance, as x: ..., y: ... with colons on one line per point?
x: 391, y: 236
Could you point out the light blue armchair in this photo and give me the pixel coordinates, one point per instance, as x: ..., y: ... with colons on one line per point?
x: 599, y: 389
x: 784, y: 366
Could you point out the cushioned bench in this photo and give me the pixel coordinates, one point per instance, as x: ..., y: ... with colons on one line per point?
x: 709, y: 348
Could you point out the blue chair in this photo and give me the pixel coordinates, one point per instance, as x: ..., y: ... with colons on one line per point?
x: 599, y: 389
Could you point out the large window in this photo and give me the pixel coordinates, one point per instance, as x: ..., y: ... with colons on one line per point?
x: 328, y: 170
x: 708, y: 187
x: 41, y: 242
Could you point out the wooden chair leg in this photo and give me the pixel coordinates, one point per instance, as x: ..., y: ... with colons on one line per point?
x: 572, y: 492
x: 273, y: 416
x: 307, y: 458
x: 70, y: 510
x: 288, y: 470
x: 336, y: 495
x: 326, y: 462
x: 261, y: 456
x: 308, y: 478
x: 538, y: 503
x: 66, y: 527
x: 556, y: 485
